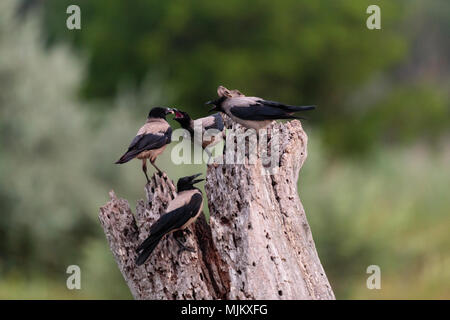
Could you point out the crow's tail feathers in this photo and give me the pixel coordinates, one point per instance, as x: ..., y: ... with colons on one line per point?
x: 286, y: 107
x: 126, y: 157
x: 146, y: 248
x: 299, y: 108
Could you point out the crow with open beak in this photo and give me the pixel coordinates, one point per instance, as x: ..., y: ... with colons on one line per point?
x: 253, y: 112
x: 181, y: 212
x: 151, y: 139
x: 214, y: 121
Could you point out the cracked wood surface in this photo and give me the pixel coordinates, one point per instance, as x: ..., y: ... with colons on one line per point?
x: 258, y: 244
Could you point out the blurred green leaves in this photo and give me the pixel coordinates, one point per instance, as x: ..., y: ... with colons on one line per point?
x: 390, y: 210
x: 301, y: 52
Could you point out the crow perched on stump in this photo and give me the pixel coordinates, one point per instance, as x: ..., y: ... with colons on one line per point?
x: 181, y: 212
x: 151, y: 139
x: 253, y: 112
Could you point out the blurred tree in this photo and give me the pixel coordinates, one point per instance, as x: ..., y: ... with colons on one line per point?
x: 49, y: 188
x: 40, y: 139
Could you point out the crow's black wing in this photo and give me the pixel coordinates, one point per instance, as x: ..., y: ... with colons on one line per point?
x: 166, y: 223
x: 178, y: 217
x: 143, y: 142
x: 150, y: 141
x: 260, y: 112
x: 286, y: 107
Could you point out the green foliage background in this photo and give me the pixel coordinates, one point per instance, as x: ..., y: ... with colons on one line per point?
x: 374, y: 186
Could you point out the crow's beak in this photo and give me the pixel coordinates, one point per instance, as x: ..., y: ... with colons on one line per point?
x: 197, y: 181
x: 171, y: 110
x: 178, y: 115
x: 215, y: 108
x: 213, y: 102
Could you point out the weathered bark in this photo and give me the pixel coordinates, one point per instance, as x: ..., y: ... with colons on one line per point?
x: 258, y: 244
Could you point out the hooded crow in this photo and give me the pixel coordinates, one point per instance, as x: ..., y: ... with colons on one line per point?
x: 181, y: 212
x: 252, y: 112
x: 151, y: 139
x: 214, y: 121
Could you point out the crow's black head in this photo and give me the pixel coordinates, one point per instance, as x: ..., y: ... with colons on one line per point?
x: 217, y: 104
x: 187, y: 183
x: 160, y: 112
x: 183, y: 118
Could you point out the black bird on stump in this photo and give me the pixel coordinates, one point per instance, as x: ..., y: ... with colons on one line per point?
x: 151, y: 139
x: 205, y: 138
x: 253, y: 112
x: 181, y: 212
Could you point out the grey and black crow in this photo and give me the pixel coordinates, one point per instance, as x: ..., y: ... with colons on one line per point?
x: 151, y: 139
x: 202, y: 138
x: 253, y: 112
x: 181, y: 212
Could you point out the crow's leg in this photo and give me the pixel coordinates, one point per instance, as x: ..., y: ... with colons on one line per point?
x: 144, y: 168
x: 178, y: 235
x: 154, y: 165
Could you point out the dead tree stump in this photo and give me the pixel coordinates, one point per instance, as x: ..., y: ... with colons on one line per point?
x: 258, y: 244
